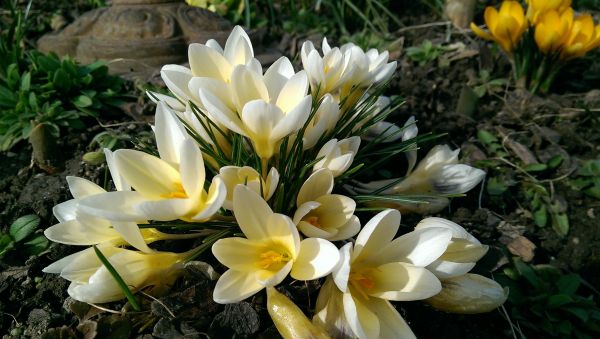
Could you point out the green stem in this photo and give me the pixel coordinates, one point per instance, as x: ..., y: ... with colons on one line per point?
x: 122, y: 285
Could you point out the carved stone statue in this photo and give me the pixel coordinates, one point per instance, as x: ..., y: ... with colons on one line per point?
x: 136, y: 36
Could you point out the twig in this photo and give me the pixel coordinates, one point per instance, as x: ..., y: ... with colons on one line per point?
x: 431, y: 24
x: 160, y: 302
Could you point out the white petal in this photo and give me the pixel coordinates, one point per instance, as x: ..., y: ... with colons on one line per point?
x: 403, y: 282
x: 247, y: 86
x: 114, y: 205
x: 221, y: 112
x: 303, y: 210
x: 457, y: 230
x: 165, y: 209
x: 457, y: 179
x: 376, y: 235
x: 131, y: 233
x: 66, y: 210
x: 316, y: 259
x: 120, y: 182
x: 348, y: 230
x: 447, y: 269
x: 192, y: 169
x: 170, y: 134
x: 391, y: 323
x: 206, y: 62
x: 73, y: 233
x: 251, y: 212
x: 341, y: 273
x: 234, y: 286
x: 176, y: 78
x: 293, y: 92
x: 318, y: 184
x: 293, y: 120
x: 238, y: 47
x: 81, y: 188
x: 217, y: 192
x: 152, y: 177
x: 420, y: 247
x: 277, y: 76
x: 173, y: 103
x: 239, y: 254
x: 364, y: 323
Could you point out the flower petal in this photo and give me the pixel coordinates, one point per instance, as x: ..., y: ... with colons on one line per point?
x: 81, y: 188
x: 217, y: 192
x: 206, y: 62
x: 318, y: 184
x: 403, y: 282
x: 363, y: 322
x: 119, y: 205
x: 420, y: 247
x: 316, y: 259
x: 391, y: 323
x: 376, y: 235
x: 235, y: 286
x: 131, y: 233
x: 192, y: 168
x: 170, y: 134
x: 239, y: 254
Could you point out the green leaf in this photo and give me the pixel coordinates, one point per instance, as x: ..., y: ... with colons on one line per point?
x: 26, y: 82
x: 36, y: 245
x: 24, y: 226
x: 6, y: 244
x: 569, y: 283
x: 540, y: 216
x: 580, y: 313
x: 82, y: 101
x: 560, y: 223
x: 593, y: 191
x: 61, y: 80
x: 558, y: 300
x: 536, y: 167
x: 555, y: 161
x: 486, y: 137
x: 122, y: 284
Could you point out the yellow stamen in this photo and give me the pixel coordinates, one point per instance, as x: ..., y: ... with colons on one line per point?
x: 179, y: 193
x: 314, y: 221
x: 361, y: 281
x: 270, y: 258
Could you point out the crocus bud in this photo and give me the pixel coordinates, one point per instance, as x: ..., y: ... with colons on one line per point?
x: 337, y: 156
x: 289, y: 319
x: 469, y: 294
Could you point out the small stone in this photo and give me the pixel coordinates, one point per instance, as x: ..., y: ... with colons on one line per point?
x: 523, y: 248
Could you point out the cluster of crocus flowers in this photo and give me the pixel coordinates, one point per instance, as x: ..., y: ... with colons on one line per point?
x: 259, y: 162
x: 541, y: 39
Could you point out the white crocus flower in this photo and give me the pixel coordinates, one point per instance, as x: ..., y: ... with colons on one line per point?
x: 368, y: 69
x: 166, y: 188
x: 438, y: 173
x: 321, y: 214
x: 337, y: 156
x: 271, y: 250
x: 248, y: 176
x: 76, y: 227
x: 326, y: 73
x: 462, y: 253
x: 381, y: 130
x: 91, y: 281
x: 377, y: 269
x: 323, y: 121
x: 209, y: 63
x: 263, y: 108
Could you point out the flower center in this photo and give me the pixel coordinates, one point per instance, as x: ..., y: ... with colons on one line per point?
x: 314, y: 221
x: 179, y: 193
x: 362, y: 281
x: 270, y: 258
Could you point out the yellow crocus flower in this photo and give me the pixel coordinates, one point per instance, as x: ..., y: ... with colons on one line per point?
x: 535, y: 8
x: 552, y: 30
x: 506, y: 26
x: 582, y: 37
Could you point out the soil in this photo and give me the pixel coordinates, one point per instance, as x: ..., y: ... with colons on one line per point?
x: 33, y: 304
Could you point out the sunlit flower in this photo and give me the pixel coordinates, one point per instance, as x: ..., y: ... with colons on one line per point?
x: 552, y: 30
x: 462, y: 253
x: 248, y: 176
x: 327, y: 73
x: 166, y: 188
x: 369, y: 68
x: 76, y: 227
x: 289, y: 319
x: 92, y: 282
x: 321, y: 214
x: 505, y: 26
x: 210, y: 63
x: 583, y: 37
x: 469, y: 294
x: 323, y: 121
x: 382, y: 131
x: 337, y: 156
x: 271, y: 250
x: 438, y: 173
x: 535, y: 8
x: 377, y: 269
x: 263, y: 108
